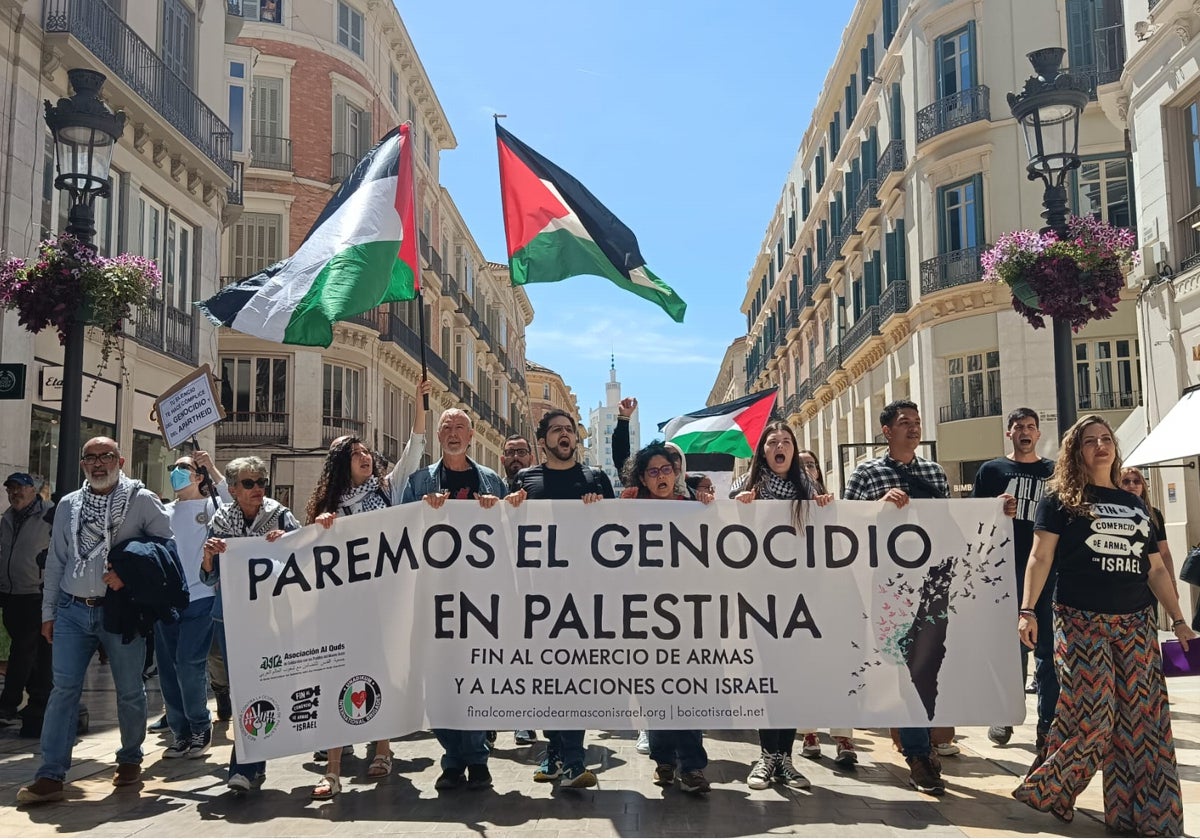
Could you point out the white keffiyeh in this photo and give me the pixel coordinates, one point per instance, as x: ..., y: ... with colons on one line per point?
x: 369, y: 495
x: 95, y: 520
x: 229, y: 521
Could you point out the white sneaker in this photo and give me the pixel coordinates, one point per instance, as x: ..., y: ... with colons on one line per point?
x: 811, y: 747
x: 643, y: 742
x: 949, y: 748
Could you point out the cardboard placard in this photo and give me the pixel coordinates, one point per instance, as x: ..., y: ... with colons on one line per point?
x: 188, y: 407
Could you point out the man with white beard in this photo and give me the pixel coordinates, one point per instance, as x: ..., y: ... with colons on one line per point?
x: 109, y: 509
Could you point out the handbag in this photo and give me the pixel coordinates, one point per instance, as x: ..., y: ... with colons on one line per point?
x: 1189, y: 572
x: 1180, y: 663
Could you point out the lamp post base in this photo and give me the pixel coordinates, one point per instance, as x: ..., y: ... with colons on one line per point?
x: 1064, y: 375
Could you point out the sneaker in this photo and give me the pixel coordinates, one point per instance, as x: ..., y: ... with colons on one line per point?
x: 159, y: 725
x: 664, y: 775
x: 127, y: 773
x: 199, y: 744
x: 693, y: 781
x: 643, y: 742
x: 949, y: 748
x: 924, y: 776
x: 811, y: 747
x: 478, y: 776
x: 787, y: 774
x: 224, y: 706
x: 846, y: 756
x: 549, y: 770
x: 178, y: 748
x: 451, y: 778
x: 8, y: 714
x: 238, y: 782
x: 762, y: 773
x: 1031, y: 686
x: 578, y: 776
x: 41, y: 790
x: 524, y: 737
x: 1000, y: 735
x: 491, y: 735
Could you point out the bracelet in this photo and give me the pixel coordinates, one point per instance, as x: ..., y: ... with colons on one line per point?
x: 1028, y: 614
x: 1177, y: 622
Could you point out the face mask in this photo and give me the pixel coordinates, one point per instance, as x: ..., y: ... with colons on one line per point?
x: 180, y: 478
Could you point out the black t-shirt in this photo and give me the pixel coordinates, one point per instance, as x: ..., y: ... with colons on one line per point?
x: 574, y: 483
x: 461, y: 484
x: 1027, y: 482
x: 1103, y: 563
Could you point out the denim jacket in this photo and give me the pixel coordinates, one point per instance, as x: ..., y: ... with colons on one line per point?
x: 426, y: 481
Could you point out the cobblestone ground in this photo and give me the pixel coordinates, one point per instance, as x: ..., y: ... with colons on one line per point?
x: 188, y: 798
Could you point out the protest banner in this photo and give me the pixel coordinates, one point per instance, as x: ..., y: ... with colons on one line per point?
x: 622, y: 615
x: 188, y: 407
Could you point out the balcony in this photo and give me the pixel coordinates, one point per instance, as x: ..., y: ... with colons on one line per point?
x: 823, y: 266
x: 892, y: 165
x: 450, y: 287
x: 234, y: 194
x: 851, y: 235
x: 102, y: 31
x: 956, y: 268
x: 959, y: 109
x: 147, y: 325
x: 253, y: 428
x: 805, y: 300
x: 836, y: 246
x: 1110, y: 400
x: 1108, y: 46
x: 894, y: 300
x: 168, y: 330
x: 804, y: 391
x: 341, y: 165
x: 333, y: 428
x: 977, y: 406
x: 860, y: 331
x: 867, y: 206
x: 435, y: 262
x: 267, y: 152
x: 181, y: 335
x: 369, y: 319
x: 791, y: 406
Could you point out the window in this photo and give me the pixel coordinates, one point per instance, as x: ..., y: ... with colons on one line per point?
x: 178, y: 40
x: 150, y: 229
x: 394, y: 89
x: 150, y: 462
x: 397, y: 420
x: 955, y: 57
x: 1096, y: 38
x: 350, y: 28
x: 974, y: 382
x: 267, y: 142
x: 1102, y: 191
x: 43, y: 440
x: 891, y: 20
x: 960, y: 216
x: 236, y: 83
x: 177, y: 265
x: 1107, y: 375
x: 428, y: 147
x: 341, y: 401
x: 267, y: 11
x: 545, y: 390
x: 254, y: 397
x: 256, y: 241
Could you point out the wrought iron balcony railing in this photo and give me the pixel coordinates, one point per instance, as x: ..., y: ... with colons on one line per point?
x: 860, y: 331
x: 892, y: 160
x: 894, y: 300
x: 977, y: 406
x: 948, y: 270
x: 1109, y: 400
x: 267, y: 152
x: 234, y: 194
x: 253, y: 427
x: 868, y: 199
x: 962, y: 108
x: 334, y: 427
x: 341, y: 164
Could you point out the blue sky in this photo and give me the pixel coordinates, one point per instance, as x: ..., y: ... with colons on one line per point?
x: 683, y: 118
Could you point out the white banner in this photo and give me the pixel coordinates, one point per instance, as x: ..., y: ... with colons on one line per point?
x: 621, y: 615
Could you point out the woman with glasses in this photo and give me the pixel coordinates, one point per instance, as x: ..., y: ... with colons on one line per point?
x: 1112, y: 712
x: 251, y: 514
x: 351, y: 482
x: 654, y: 471
x: 1133, y: 481
x: 775, y: 473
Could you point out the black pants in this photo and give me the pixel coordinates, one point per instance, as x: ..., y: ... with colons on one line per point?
x: 29, y: 662
x: 777, y: 741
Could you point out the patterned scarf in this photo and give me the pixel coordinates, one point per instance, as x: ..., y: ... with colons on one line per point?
x: 229, y: 521
x: 367, y: 496
x: 772, y: 486
x: 95, y: 520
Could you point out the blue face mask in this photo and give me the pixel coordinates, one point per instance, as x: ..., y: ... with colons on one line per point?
x: 180, y: 478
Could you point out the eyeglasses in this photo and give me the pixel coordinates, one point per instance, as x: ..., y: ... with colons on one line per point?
x: 102, y: 458
x: 655, y: 472
x: 515, y: 453
x: 705, y: 488
x: 251, y: 483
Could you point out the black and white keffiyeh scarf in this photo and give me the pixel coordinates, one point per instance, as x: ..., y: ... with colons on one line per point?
x: 229, y: 521
x: 369, y: 495
x: 95, y: 520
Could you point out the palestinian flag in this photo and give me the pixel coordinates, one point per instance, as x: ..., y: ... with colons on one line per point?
x: 557, y: 229
x: 732, y: 428
x: 361, y: 252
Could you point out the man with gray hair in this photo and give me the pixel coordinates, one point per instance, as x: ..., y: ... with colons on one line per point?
x: 109, y: 509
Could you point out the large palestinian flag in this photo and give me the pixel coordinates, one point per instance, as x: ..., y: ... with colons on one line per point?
x: 361, y: 252
x: 732, y: 428
x: 557, y: 229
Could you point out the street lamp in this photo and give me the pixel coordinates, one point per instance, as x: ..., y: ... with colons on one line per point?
x: 1048, y: 110
x: 85, y: 134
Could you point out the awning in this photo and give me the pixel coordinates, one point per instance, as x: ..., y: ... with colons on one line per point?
x: 1132, y: 432
x: 1176, y: 437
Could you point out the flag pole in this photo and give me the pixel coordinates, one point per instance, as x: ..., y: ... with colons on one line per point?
x: 406, y: 128
x: 421, y: 324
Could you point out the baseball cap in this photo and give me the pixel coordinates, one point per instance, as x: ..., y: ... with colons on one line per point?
x: 20, y: 478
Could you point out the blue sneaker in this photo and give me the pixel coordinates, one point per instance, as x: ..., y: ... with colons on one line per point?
x: 577, y: 776
x: 549, y: 770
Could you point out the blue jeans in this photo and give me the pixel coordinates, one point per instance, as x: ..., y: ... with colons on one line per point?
x: 682, y: 748
x: 253, y: 769
x: 78, y: 631
x: 1045, y: 676
x: 463, y: 748
x: 914, y: 742
x: 182, y: 652
x: 566, y: 745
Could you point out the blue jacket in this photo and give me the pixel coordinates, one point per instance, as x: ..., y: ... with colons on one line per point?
x: 426, y: 481
x: 155, y: 588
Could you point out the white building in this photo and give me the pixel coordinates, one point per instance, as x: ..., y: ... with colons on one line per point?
x: 601, y: 421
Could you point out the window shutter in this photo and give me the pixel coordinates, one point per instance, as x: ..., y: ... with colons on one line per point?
x: 973, y: 60
x: 897, y: 113
x: 366, y: 137
x: 901, y: 263
x: 340, y: 118
x: 980, y: 227
x: 889, y: 256
x: 874, y: 282
x: 807, y: 266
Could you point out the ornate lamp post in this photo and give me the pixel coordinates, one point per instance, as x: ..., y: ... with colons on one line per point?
x: 1048, y: 110
x: 85, y: 133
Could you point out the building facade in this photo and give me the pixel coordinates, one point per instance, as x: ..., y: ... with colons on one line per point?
x: 868, y: 283
x: 174, y: 186
x: 311, y: 85
x: 547, y: 391
x: 601, y: 421
x: 731, y: 377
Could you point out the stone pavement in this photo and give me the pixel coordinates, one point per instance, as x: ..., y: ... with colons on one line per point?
x: 188, y: 798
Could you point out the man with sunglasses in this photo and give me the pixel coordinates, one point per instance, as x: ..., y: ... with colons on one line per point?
x: 109, y: 509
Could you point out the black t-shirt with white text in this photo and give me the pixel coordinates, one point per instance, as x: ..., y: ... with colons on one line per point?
x: 1026, y: 482
x: 542, y: 483
x: 461, y: 484
x: 1103, y: 563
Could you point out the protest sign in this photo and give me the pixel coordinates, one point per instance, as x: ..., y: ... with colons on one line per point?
x: 188, y: 407
x: 620, y: 615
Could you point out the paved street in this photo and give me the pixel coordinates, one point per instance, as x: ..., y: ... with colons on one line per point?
x: 184, y: 798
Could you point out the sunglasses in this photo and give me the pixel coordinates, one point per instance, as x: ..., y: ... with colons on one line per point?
x: 251, y: 483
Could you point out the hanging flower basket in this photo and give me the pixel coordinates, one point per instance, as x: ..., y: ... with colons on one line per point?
x: 68, y: 280
x: 1078, y: 278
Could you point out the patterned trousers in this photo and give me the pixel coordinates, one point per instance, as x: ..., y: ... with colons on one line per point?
x: 1112, y: 715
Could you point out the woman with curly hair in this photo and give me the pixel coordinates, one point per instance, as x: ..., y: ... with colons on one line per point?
x: 1112, y: 712
x: 352, y: 482
x: 775, y: 473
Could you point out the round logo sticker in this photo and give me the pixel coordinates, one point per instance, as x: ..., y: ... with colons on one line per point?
x: 260, y: 718
x: 359, y: 700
